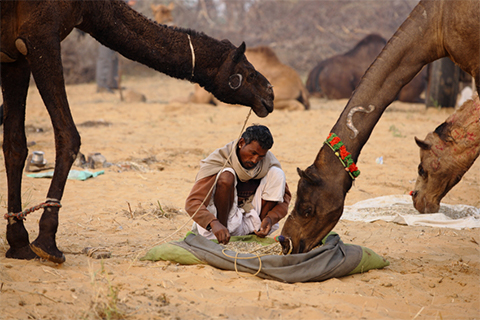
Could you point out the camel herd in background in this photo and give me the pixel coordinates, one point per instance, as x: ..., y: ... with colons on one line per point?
x: 332, y: 78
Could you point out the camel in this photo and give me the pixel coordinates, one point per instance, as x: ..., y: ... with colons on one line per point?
x: 445, y: 155
x: 30, y: 44
x: 434, y: 29
x: 162, y: 13
x: 338, y: 76
x: 290, y: 92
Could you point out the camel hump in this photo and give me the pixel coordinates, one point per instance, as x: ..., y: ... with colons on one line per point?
x: 371, y: 41
x: 371, y: 38
x: 264, y: 51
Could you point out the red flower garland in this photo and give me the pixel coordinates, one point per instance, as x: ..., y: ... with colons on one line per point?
x: 336, y: 144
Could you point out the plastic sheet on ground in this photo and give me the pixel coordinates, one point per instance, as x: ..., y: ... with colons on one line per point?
x: 399, y: 209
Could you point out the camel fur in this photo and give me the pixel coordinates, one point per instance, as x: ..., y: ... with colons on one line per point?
x: 338, y: 76
x: 290, y: 92
x: 434, y: 29
x: 30, y: 44
x: 446, y: 155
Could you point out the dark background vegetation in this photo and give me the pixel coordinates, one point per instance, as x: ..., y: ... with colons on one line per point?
x: 302, y: 32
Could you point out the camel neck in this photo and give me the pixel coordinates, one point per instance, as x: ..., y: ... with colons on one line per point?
x: 180, y: 53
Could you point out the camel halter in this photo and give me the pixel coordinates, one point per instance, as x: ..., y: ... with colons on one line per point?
x: 334, y: 142
x: 193, y: 54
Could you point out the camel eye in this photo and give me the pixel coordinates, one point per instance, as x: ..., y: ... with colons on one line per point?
x: 252, y: 76
x: 307, y: 211
x: 421, y: 172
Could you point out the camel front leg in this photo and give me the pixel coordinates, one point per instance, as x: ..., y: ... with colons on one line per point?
x: 43, y: 56
x: 15, y: 80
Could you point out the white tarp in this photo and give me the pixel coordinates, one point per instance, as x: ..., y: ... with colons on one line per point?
x: 399, y: 209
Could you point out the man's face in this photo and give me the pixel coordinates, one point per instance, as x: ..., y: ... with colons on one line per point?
x: 250, y: 154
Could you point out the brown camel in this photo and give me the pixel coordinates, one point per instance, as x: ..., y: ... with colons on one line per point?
x: 30, y: 44
x: 162, y: 13
x: 445, y: 155
x: 338, y: 76
x: 290, y: 92
x: 433, y: 30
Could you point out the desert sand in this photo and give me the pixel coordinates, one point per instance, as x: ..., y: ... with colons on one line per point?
x: 155, y: 148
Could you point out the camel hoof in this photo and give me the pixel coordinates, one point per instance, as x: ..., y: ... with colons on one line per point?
x: 50, y: 254
x: 23, y: 253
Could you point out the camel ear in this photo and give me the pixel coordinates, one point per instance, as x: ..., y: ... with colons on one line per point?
x: 423, y: 144
x: 311, y: 179
x: 300, y: 172
x: 171, y: 5
x: 235, y: 81
x: 239, y: 53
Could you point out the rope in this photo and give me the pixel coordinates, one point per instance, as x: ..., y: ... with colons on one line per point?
x: 258, y: 256
x: 245, y: 258
x: 23, y: 214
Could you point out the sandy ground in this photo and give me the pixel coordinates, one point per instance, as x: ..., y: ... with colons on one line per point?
x: 156, y: 148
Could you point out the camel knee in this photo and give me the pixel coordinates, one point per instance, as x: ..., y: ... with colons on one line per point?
x: 71, y: 147
x: 75, y: 147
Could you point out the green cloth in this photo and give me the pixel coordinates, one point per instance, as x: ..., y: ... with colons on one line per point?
x: 72, y: 175
x: 331, y: 260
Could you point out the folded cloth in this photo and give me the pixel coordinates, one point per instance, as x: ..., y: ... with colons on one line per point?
x: 331, y: 260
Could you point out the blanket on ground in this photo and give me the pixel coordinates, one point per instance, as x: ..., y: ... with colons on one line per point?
x: 331, y: 260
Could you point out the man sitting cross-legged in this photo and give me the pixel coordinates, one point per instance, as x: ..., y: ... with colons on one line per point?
x: 250, y: 194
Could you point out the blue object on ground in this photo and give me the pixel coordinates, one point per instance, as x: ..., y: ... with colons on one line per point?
x: 72, y: 175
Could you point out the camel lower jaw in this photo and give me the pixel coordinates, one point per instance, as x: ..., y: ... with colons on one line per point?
x: 266, y: 109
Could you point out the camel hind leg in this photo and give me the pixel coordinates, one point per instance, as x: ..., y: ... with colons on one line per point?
x: 43, y: 55
x: 15, y: 81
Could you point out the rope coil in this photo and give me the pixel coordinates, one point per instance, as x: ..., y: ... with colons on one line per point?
x: 23, y: 214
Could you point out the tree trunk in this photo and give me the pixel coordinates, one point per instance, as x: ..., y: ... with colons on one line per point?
x: 443, y: 82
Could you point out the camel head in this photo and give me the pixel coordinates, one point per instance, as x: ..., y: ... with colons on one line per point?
x: 163, y: 13
x: 237, y: 82
x: 445, y: 155
x: 318, y: 207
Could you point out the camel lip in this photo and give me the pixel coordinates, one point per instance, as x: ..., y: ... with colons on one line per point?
x: 264, y: 110
x: 267, y: 105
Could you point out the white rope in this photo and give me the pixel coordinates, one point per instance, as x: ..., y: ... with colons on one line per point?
x: 193, y: 54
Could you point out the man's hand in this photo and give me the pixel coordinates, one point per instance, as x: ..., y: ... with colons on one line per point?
x: 265, y: 227
x: 220, y: 232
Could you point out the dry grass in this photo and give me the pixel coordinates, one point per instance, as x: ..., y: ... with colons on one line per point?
x: 105, y: 303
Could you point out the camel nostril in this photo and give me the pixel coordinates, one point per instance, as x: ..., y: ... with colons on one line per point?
x: 413, y: 193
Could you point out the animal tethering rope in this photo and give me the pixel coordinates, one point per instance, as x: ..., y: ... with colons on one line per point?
x: 21, y: 215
